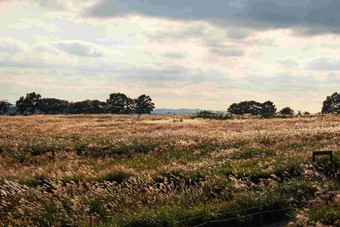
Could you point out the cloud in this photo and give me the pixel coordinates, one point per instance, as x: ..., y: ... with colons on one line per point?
x: 45, y: 48
x: 80, y: 48
x: 224, y: 52
x: 324, y: 64
x: 291, y: 12
x: 106, y: 8
x: 254, y: 13
x: 288, y: 62
x: 236, y: 34
x: 21, y: 64
x: 157, y: 77
x: 314, y: 30
x: 174, y: 55
x: 53, y: 4
x: 332, y: 78
x: 9, y: 46
x: 282, y: 83
x: 188, y: 30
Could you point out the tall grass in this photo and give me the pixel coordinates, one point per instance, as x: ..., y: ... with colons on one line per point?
x: 110, y: 170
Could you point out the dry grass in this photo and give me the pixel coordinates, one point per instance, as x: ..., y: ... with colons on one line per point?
x: 114, y: 170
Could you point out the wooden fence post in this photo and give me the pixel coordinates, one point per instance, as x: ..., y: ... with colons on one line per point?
x: 261, y: 215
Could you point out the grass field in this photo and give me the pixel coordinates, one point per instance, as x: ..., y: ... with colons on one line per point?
x: 90, y: 170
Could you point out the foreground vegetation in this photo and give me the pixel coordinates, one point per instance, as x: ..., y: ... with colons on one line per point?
x: 89, y: 170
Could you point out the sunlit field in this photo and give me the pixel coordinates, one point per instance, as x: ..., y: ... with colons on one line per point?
x: 169, y: 170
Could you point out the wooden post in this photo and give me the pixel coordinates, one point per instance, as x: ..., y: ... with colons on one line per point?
x: 261, y: 216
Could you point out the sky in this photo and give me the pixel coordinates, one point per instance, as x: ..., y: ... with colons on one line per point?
x: 183, y: 53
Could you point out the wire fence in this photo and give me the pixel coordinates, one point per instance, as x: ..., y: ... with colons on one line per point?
x: 259, y: 211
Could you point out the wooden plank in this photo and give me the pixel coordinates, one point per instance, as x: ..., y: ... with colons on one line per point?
x: 322, y: 152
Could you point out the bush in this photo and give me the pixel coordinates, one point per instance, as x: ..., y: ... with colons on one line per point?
x: 268, y: 115
x: 210, y: 115
x: 118, y: 176
x: 287, y: 111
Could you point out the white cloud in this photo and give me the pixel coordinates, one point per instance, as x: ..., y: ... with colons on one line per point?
x: 224, y: 52
x: 11, y: 46
x: 80, y: 48
x: 287, y: 62
x: 324, y: 63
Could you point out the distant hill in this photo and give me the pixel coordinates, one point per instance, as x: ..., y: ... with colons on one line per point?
x: 182, y: 111
x: 13, y: 109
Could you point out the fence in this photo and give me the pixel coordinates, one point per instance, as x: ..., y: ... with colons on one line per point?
x: 259, y: 211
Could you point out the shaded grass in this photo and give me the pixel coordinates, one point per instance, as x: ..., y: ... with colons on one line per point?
x: 325, y: 214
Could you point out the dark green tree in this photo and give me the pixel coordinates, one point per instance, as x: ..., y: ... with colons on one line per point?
x: 53, y: 106
x: 268, y: 107
x: 119, y: 103
x: 28, y: 104
x: 331, y: 104
x: 144, y: 105
x: 251, y: 107
x: 97, y: 107
x: 287, y: 111
x: 88, y: 107
x: 78, y: 107
x: 4, y: 106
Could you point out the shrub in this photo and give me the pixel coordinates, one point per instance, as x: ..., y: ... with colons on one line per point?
x: 210, y: 115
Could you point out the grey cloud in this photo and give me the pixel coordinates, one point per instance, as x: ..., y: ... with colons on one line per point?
x: 45, y: 49
x: 271, y: 11
x: 332, y: 79
x: 255, y: 13
x: 283, y: 83
x: 106, y: 8
x: 168, y: 74
x: 174, y: 55
x: 156, y: 77
x: 224, y: 52
x: 236, y: 34
x: 80, y: 49
x: 52, y: 4
x: 9, y: 48
x: 188, y: 32
x: 174, y: 8
x: 324, y: 64
x: 292, y: 12
x: 21, y: 64
x: 314, y: 30
x: 288, y: 62
x: 240, y: 23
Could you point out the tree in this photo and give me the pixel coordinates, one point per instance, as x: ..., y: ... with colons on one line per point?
x: 287, y: 111
x: 97, y: 107
x: 268, y: 107
x: 245, y: 107
x: 119, y: 103
x: 252, y: 107
x: 28, y: 104
x: 144, y: 105
x: 4, y: 106
x: 88, y: 107
x: 52, y: 106
x: 331, y: 104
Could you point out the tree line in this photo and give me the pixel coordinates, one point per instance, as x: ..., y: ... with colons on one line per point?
x: 257, y: 108
x: 117, y: 103
x: 330, y: 105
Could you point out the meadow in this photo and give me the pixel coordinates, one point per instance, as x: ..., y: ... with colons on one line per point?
x: 167, y: 170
